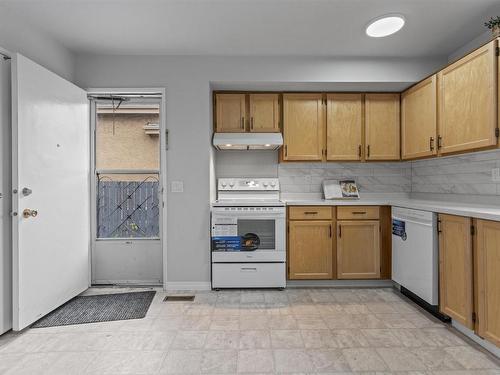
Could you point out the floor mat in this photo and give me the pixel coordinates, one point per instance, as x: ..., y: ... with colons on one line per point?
x: 99, y: 308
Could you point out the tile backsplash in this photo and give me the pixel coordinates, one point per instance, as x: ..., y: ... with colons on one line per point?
x: 460, y: 175
x: 371, y: 177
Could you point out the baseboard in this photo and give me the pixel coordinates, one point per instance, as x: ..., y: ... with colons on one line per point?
x: 478, y: 340
x: 340, y: 283
x: 187, y: 285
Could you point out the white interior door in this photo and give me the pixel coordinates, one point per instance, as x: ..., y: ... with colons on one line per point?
x: 5, y: 230
x: 51, y: 157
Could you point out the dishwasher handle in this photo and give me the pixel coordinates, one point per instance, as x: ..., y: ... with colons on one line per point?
x: 425, y: 223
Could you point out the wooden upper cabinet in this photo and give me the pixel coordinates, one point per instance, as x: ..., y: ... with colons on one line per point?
x: 419, y: 120
x: 382, y: 127
x: 358, y: 249
x: 488, y: 280
x: 303, y: 127
x: 467, y: 92
x: 344, y: 126
x: 230, y: 113
x: 310, y: 249
x: 455, y: 268
x: 264, y: 113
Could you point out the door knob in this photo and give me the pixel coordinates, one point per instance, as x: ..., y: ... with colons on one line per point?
x: 27, y: 213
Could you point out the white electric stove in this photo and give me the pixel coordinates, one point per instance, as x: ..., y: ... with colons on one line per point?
x: 248, y: 231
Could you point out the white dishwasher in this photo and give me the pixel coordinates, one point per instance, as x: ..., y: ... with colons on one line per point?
x: 415, y: 253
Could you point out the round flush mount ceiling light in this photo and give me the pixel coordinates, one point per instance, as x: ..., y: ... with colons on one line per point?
x: 385, y: 25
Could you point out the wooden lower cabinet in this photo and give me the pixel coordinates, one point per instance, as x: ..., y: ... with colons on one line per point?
x: 487, y: 246
x: 358, y: 249
x: 455, y: 269
x: 310, y: 249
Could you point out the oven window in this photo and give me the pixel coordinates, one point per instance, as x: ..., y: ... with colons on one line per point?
x: 257, y: 234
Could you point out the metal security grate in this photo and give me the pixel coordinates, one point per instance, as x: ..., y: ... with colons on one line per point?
x: 127, y: 209
x: 178, y: 299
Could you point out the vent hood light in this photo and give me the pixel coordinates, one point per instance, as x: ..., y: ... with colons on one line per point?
x: 385, y: 25
x: 247, y: 141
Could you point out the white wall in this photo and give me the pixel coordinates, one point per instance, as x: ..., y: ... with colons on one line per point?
x: 190, y: 157
x: 18, y: 36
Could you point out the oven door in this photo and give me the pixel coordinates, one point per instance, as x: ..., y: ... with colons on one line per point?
x: 248, y: 234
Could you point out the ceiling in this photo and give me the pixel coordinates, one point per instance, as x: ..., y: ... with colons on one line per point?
x: 255, y: 27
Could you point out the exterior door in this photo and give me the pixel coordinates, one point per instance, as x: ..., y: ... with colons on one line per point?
x: 382, y: 125
x: 467, y: 102
x: 303, y: 126
x: 488, y: 280
x: 264, y: 113
x: 127, y: 190
x: 310, y: 247
x: 358, y: 249
x: 5, y: 188
x: 230, y: 112
x: 50, y: 177
x: 419, y: 120
x: 344, y: 126
x: 455, y: 268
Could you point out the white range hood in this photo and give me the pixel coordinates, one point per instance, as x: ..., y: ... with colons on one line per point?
x: 247, y: 141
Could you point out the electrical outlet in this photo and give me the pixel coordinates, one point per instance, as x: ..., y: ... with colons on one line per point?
x: 495, y: 174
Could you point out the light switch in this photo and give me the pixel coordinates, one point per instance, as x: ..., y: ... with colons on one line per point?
x: 495, y: 174
x: 177, y: 187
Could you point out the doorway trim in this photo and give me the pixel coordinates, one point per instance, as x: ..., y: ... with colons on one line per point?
x: 163, y: 167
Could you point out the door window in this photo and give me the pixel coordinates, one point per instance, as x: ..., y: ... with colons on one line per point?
x: 127, y: 155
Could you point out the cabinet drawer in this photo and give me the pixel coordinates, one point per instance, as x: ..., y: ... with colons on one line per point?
x: 358, y: 212
x: 310, y: 212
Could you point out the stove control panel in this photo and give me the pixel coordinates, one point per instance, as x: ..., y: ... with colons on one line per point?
x: 248, y: 184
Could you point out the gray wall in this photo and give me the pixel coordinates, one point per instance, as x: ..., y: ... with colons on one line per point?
x: 190, y: 157
x: 21, y: 37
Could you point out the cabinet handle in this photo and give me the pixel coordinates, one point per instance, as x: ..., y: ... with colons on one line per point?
x: 243, y: 123
x: 286, y: 151
x: 248, y: 269
x: 251, y: 123
x: 340, y: 230
x: 431, y: 143
x: 439, y: 226
x: 310, y: 212
x: 330, y: 227
x: 359, y: 151
x: 440, y: 142
x: 368, y: 151
x: 359, y: 212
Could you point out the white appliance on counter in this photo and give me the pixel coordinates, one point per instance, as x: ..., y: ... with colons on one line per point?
x: 248, y: 230
x: 415, y: 253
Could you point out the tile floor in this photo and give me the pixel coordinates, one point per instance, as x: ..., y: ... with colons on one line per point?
x: 299, y: 331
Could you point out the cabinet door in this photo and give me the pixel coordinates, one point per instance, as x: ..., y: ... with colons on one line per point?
x: 358, y: 249
x: 419, y: 120
x: 344, y: 124
x: 230, y: 113
x: 455, y: 268
x: 310, y: 249
x: 466, y: 96
x: 264, y: 113
x: 303, y: 126
x: 382, y: 127
x: 488, y: 280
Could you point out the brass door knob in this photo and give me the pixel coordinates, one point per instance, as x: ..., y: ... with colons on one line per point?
x: 27, y: 213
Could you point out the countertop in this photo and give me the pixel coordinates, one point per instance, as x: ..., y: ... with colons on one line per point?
x: 453, y: 208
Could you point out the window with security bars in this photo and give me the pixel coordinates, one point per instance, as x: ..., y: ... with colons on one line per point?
x: 127, y: 157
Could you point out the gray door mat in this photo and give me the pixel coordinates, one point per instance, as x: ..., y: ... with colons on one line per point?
x: 99, y: 308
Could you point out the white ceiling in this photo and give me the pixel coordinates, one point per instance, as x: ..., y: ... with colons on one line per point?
x: 255, y: 27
